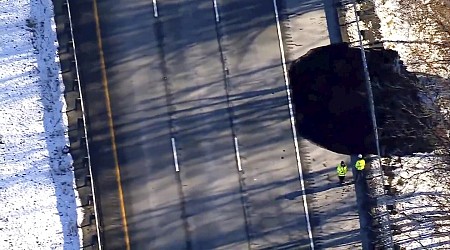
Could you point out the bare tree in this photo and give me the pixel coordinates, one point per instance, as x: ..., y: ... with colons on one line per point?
x: 429, y: 21
x: 429, y: 57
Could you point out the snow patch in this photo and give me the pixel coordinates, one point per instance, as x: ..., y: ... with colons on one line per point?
x: 40, y: 205
x: 422, y: 196
x: 421, y: 202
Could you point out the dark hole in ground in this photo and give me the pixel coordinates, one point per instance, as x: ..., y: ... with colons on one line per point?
x: 332, y: 107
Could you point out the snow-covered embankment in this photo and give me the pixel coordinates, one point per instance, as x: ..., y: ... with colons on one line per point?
x: 38, y: 200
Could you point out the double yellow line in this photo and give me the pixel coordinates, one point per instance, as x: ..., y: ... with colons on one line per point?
x: 111, y: 124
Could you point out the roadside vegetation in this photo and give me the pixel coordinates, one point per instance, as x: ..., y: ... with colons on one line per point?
x: 417, y: 183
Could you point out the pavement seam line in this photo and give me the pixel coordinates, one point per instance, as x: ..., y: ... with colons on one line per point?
x: 170, y: 112
x: 294, y: 132
x: 111, y: 124
x: 241, y: 178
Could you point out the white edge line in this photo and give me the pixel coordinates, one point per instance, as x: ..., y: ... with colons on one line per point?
x: 97, y: 228
x: 216, y: 10
x: 294, y: 132
x: 175, y: 156
x: 238, y: 156
x: 155, y: 9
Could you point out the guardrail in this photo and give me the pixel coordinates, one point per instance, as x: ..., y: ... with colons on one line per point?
x: 85, y: 137
x: 381, y: 212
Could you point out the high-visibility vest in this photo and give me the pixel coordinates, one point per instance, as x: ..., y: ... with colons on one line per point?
x: 341, y: 170
x: 360, y: 164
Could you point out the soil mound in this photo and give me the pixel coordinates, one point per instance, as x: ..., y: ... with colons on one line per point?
x: 332, y: 106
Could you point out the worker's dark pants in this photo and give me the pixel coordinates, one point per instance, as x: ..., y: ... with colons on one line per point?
x: 341, y: 179
x: 360, y: 174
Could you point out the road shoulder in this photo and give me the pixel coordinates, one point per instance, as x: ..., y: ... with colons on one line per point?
x: 335, y: 219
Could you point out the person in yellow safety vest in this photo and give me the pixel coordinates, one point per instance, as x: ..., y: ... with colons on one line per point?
x: 341, y: 171
x: 359, y: 165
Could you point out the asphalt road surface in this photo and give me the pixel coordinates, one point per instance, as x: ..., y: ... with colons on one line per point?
x: 209, y: 98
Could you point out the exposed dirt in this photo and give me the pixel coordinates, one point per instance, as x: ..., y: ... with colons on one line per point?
x: 332, y: 106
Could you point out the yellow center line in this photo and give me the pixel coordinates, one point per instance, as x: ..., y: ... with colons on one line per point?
x: 111, y: 125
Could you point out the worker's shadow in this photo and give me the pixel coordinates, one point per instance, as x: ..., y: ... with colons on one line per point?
x: 294, y: 195
x: 290, y: 196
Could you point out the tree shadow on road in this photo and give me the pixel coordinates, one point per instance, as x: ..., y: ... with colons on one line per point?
x: 143, y: 124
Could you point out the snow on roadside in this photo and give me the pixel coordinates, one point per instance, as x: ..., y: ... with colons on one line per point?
x: 39, y: 202
x: 422, y: 203
x: 422, y: 199
x: 417, y: 42
x: 352, y: 27
x: 421, y: 218
x: 396, y: 29
x: 418, y: 46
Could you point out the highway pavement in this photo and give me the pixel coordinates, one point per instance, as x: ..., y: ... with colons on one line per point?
x: 201, y: 125
x: 141, y: 125
x: 261, y: 118
x: 182, y: 85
